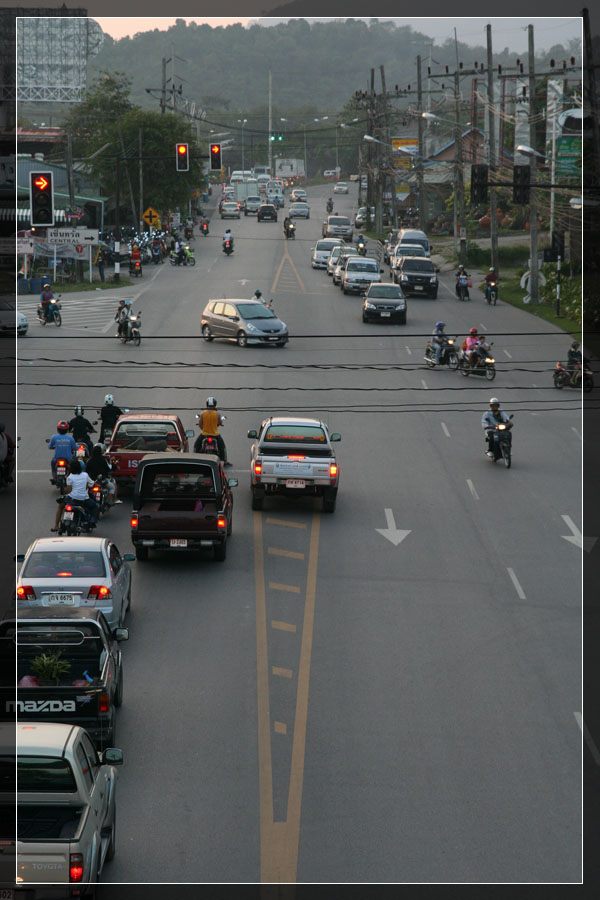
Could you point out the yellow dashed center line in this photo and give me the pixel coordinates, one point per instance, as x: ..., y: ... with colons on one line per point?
x: 283, y: 673
x: 280, y: 727
x: 275, y: 551
x: 271, y: 521
x: 283, y: 626
x: 284, y: 587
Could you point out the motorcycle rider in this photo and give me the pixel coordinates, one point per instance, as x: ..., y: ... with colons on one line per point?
x: 136, y: 256
x: 228, y: 236
x: 63, y: 444
x: 361, y: 239
x: 208, y: 422
x: 481, y: 350
x: 439, y: 339
x: 7, y: 452
x: 79, y: 482
x: 490, y: 278
x: 108, y: 415
x: 491, y: 418
x: 286, y: 225
x: 180, y: 251
x: 121, y: 317
x: 81, y: 427
x: 329, y: 205
x: 45, y: 297
x: 574, y: 361
x: 462, y: 272
x: 469, y: 344
x: 98, y: 466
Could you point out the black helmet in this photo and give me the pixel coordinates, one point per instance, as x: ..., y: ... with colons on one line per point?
x: 79, y: 410
x: 211, y: 403
x: 258, y: 294
x: 575, y: 345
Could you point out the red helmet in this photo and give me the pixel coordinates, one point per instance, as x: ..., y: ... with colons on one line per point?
x: 62, y: 427
x: 472, y: 331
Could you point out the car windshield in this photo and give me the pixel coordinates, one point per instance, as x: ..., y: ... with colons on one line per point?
x: 387, y: 291
x: 255, y: 311
x: 409, y: 250
x: 186, y: 480
x: 414, y: 240
x: 338, y: 220
x: 65, y: 564
x: 303, y: 434
x: 413, y: 264
x: 37, y: 773
x: 362, y: 265
x: 299, y: 205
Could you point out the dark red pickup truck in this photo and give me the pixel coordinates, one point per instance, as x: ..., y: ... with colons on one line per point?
x: 136, y: 434
x: 181, y: 503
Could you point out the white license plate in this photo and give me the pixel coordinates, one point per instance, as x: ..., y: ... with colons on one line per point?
x: 68, y: 516
x: 178, y: 542
x: 295, y: 483
x: 274, y: 339
x: 60, y: 471
x: 385, y: 315
x: 61, y: 600
x: 418, y: 287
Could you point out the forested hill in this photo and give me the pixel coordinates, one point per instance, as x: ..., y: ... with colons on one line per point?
x: 316, y: 65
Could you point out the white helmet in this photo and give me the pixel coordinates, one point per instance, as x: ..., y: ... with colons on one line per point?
x: 109, y: 399
x: 494, y: 401
x: 211, y: 403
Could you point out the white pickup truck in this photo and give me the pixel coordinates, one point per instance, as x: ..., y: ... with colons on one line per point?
x: 65, y: 829
x: 294, y: 456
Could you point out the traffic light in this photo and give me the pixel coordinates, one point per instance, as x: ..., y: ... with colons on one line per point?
x: 479, y: 184
x: 276, y: 137
x: 41, y: 198
x: 215, y: 157
x: 182, y: 157
x: 521, y: 180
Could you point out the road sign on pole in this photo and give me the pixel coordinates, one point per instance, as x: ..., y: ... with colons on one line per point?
x: 151, y: 217
x: 72, y: 236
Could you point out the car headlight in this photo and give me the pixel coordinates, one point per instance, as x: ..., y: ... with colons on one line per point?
x: 404, y: 278
x: 369, y: 305
x: 401, y: 305
x: 433, y: 279
x: 283, y: 327
x: 251, y: 327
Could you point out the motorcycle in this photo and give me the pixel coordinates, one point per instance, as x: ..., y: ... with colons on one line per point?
x: 74, y: 519
x: 290, y: 231
x: 491, y: 292
x: 156, y: 255
x: 227, y: 247
x: 132, y: 332
x: 204, y: 228
x: 448, y: 356
x: 362, y: 248
x: 485, y: 365
x: 135, y: 267
x: 53, y: 313
x: 99, y: 492
x: 189, y: 233
x: 330, y: 206
x: 502, y: 444
x: 462, y: 287
x: 207, y: 443
x: 562, y: 378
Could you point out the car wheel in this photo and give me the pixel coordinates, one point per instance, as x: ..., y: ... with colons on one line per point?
x: 141, y: 553
x: 242, y: 339
x: 365, y: 318
x: 343, y: 287
x: 329, y: 504
x: 220, y: 551
x: 402, y: 321
x: 207, y: 333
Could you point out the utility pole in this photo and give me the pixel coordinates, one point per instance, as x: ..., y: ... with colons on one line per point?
x: 118, y: 222
x: 420, y: 172
x: 270, y: 163
x: 460, y: 185
x: 163, y: 95
x: 533, y: 281
x: 133, y: 213
x: 141, y: 181
x: 492, y: 149
x: 370, y: 152
x: 382, y: 160
x: 305, y: 164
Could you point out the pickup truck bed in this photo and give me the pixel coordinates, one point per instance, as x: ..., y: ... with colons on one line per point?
x: 46, y: 823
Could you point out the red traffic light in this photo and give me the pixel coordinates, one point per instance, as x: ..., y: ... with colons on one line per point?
x: 215, y: 157
x: 182, y: 148
x: 182, y: 158
x: 41, y: 183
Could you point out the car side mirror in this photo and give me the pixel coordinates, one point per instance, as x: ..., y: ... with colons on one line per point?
x: 232, y: 482
x: 189, y: 432
x: 437, y: 269
x: 121, y: 634
x: 381, y: 270
x: 19, y: 557
x: 235, y: 318
x: 129, y: 557
x: 252, y: 433
x: 335, y: 436
x: 112, y: 756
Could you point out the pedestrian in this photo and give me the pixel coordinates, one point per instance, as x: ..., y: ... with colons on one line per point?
x: 100, y: 263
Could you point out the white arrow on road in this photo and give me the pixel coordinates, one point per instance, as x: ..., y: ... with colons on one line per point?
x: 393, y: 534
x: 576, y: 537
x: 243, y: 281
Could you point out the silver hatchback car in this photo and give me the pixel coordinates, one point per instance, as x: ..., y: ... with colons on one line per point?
x: 76, y: 572
x: 244, y: 321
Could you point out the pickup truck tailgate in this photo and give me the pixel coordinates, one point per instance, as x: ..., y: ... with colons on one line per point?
x: 40, y: 862
x: 311, y: 470
x: 178, y: 516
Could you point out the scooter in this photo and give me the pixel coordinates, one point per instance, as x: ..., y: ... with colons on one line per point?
x: 135, y: 268
x: 133, y: 330
x: 562, y: 378
x: 227, y: 247
x: 99, y: 493
x: 462, y: 287
x: 329, y: 207
x: 485, y: 365
x: 156, y: 255
x: 74, y: 519
x: 491, y: 293
x: 53, y: 313
x: 204, y: 228
x: 448, y: 356
x: 362, y: 248
x: 502, y: 445
x: 290, y: 231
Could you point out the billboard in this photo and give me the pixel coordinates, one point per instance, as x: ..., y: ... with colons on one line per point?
x: 568, y: 156
x: 402, y: 163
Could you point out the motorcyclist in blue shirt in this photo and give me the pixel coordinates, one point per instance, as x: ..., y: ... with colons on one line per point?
x: 45, y: 297
x: 63, y: 444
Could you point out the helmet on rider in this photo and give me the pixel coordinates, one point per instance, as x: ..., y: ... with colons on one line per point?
x: 46, y: 286
x: 211, y: 403
x: 492, y: 269
x: 575, y: 345
x: 461, y: 268
x: 62, y: 427
x: 440, y: 324
x: 79, y: 410
x: 128, y: 303
x: 258, y: 294
x: 494, y: 401
x: 109, y: 399
x: 472, y: 331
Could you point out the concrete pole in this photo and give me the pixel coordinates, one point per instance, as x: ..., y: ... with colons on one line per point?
x: 420, y: 131
x: 270, y: 162
x: 141, y: 182
x: 305, y: 165
x: 492, y: 149
x: 460, y: 187
x: 533, y: 235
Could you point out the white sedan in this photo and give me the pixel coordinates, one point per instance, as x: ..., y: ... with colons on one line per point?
x: 341, y: 188
x: 10, y: 318
x: 230, y: 210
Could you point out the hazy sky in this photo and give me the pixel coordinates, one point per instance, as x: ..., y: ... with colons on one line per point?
x: 120, y: 26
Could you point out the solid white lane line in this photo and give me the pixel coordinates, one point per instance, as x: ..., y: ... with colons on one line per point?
x: 508, y: 354
x: 409, y: 351
x: 518, y: 587
x: 445, y: 430
x: 588, y: 738
x: 423, y: 382
x: 472, y: 489
x: 576, y: 432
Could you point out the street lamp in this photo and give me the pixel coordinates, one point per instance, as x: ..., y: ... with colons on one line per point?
x: 243, y: 121
x: 529, y: 151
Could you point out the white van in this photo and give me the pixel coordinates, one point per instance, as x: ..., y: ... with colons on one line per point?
x: 412, y: 236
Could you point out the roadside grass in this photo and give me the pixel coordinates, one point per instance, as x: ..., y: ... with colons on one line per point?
x: 511, y: 292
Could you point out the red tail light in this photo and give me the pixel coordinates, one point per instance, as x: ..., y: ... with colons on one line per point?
x: 333, y: 470
x: 25, y: 592
x: 222, y: 522
x: 257, y: 468
x: 69, y: 508
x: 297, y: 456
x: 76, y: 867
x: 99, y: 592
x: 134, y: 521
x: 227, y: 243
x: 103, y: 702
x: 96, y: 489
x: 61, y: 462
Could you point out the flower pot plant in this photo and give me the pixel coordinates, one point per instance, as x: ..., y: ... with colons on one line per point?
x: 49, y: 667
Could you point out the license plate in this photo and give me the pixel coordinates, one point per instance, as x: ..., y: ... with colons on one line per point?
x: 274, y: 339
x: 178, y: 542
x: 385, y: 315
x: 418, y: 287
x: 295, y: 483
x: 61, y: 600
x: 60, y: 470
x: 68, y: 516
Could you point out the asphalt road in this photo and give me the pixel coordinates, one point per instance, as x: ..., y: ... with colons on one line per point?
x: 326, y: 706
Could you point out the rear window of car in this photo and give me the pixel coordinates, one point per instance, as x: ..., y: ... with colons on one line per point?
x: 338, y: 220
x: 387, y: 291
x: 362, y: 265
x: 326, y: 245
x: 266, y: 208
x: 37, y: 773
x: 409, y: 250
x: 414, y: 264
x: 65, y: 564
x: 415, y: 240
x: 186, y: 481
x: 230, y: 204
x: 129, y: 430
x: 253, y: 200
x: 294, y: 434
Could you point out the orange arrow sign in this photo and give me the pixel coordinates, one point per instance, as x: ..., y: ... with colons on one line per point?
x: 41, y: 183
